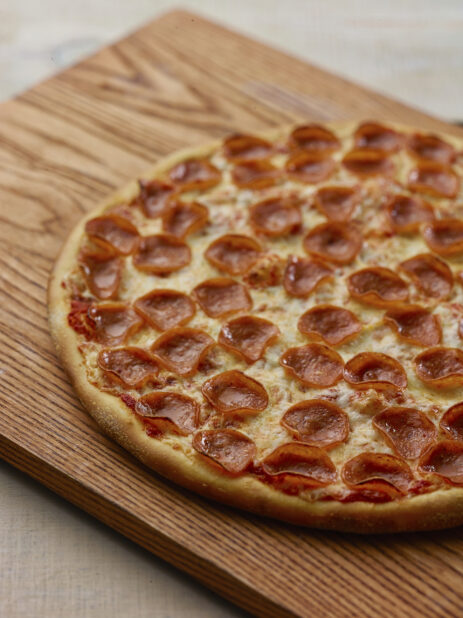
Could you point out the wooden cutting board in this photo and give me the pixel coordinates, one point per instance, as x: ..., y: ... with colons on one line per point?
x: 64, y: 145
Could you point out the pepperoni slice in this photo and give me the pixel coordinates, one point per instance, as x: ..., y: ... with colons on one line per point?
x: 440, y: 367
x: 445, y: 237
x: 431, y: 274
x: 375, y: 370
x: 164, y: 309
x: 333, y: 241
x: 334, y: 325
x: 314, y: 139
x: 313, y: 364
x: 102, y: 275
x: 374, y: 136
x: 309, y: 167
x: 445, y: 460
x: 229, y: 449
x: 406, y: 213
x: 255, y: 175
x: 180, y: 350
x: 434, y: 179
x: 302, y: 462
x: 275, y: 217
x: 130, y: 366
x: 221, y: 296
x: 378, y: 472
x: 317, y: 422
x: 239, y: 147
x: 113, y: 323
x: 195, y: 174
x: 431, y: 148
x: 161, y: 253
x: 408, y: 431
x: 233, y: 253
x: 452, y: 422
x: 415, y: 325
x: 182, y: 219
x: 165, y: 412
x: 114, y: 233
x: 233, y: 392
x: 365, y: 162
x: 248, y: 336
x: 154, y: 197
x: 303, y: 275
x: 337, y: 203
x: 377, y: 286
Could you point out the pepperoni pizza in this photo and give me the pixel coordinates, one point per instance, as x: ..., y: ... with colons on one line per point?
x: 276, y: 322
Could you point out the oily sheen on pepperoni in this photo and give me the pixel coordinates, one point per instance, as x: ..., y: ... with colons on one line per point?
x: 431, y: 275
x: 440, y: 367
x: 374, y: 136
x: 446, y: 460
x: 317, y: 422
x: 229, y: 449
x: 181, y: 218
x: 194, y: 174
x: 165, y: 411
x: 154, y: 197
x: 334, y: 325
x: 415, y: 325
x: 130, y: 366
x: 180, y: 350
x: 239, y: 147
x: 314, y: 364
x: 365, y: 162
x: 431, y: 148
x: 407, y: 430
x: 164, y: 309
x: 303, y: 275
x: 434, y: 179
x: 337, y: 203
x: 221, y: 296
x: 275, y: 216
x: 378, y: 472
x: 302, y: 462
x: 377, y: 286
x: 161, y: 254
x: 375, y: 370
x: 333, y: 241
x: 314, y: 138
x: 255, y: 175
x: 113, y: 323
x: 102, y: 275
x: 407, y: 213
x: 452, y: 422
x: 233, y: 392
x: 309, y: 167
x: 233, y: 253
x: 113, y: 233
x: 445, y: 236
x: 248, y: 336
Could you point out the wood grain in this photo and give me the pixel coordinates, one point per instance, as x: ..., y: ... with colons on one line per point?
x: 64, y: 145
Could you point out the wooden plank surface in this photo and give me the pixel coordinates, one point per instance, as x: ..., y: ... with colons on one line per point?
x: 63, y: 146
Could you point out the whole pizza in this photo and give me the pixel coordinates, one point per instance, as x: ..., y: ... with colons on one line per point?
x: 276, y: 322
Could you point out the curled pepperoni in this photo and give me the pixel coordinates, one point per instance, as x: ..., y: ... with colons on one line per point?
x: 233, y: 392
x: 195, y: 174
x: 406, y: 213
x: 415, y: 325
x: 300, y: 461
x: 452, y: 422
x: 314, y: 138
x: 431, y: 274
x: 378, y: 472
x: 440, y: 367
x: 102, y: 275
x: 334, y: 325
x: 255, y: 175
x: 446, y: 460
x: 240, y: 147
x: 431, y: 148
x: 445, y: 237
x: 317, y: 422
x: 408, y: 431
x: 333, y: 241
x: 130, y: 366
x: 161, y: 253
x: 231, y: 450
x: 303, y: 275
x: 434, y: 179
x: 337, y: 203
x: 374, y: 136
x: 221, y: 296
x: 364, y: 163
x: 182, y: 219
x: 375, y: 370
x: 233, y: 253
x: 314, y: 364
x: 377, y: 286
x: 114, y: 233
x: 113, y: 323
x: 275, y: 217
x: 164, y: 411
x: 164, y: 309
x: 309, y: 167
x: 180, y: 350
x: 248, y: 336
x: 154, y: 197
